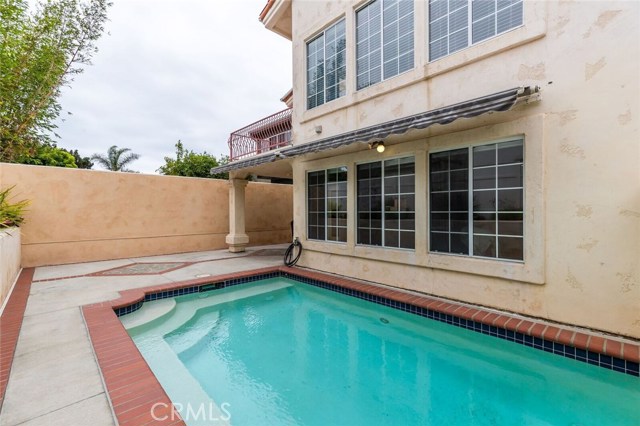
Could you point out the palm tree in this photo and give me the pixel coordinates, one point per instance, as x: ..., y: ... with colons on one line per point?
x: 115, y: 160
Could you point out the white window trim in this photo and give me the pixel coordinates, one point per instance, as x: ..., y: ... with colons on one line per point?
x: 317, y: 34
x: 470, y: 30
x: 382, y: 79
x: 470, y: 189
x: 534, y: 27
x: 532, y: 269
x: 306, y: 208
x: 383, y: 246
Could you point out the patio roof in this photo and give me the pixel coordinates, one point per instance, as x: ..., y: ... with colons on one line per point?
x: 496, y: 102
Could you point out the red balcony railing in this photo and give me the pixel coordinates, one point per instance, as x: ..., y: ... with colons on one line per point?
x: 264, y: 135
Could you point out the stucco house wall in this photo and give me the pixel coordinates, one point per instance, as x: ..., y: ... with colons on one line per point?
x: 582, y: 159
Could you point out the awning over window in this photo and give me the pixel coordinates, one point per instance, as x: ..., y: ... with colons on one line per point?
x: 501, y: 101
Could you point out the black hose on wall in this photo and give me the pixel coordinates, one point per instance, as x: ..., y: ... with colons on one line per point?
x: 292, y: 255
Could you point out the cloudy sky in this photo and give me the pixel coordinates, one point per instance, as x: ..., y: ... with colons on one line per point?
x: 193, y: 70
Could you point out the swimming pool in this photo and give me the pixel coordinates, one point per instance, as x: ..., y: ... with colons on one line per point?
x: 282, y: 352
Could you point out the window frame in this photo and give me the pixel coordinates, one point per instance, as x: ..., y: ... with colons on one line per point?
x: 311, y: 39
x: 326, y: 201
x: 382, y: 44
x: 382, y: 196
x: 470, y: 190
x: 469, y: 22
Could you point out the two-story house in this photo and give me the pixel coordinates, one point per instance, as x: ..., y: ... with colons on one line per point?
x: 486, y: 151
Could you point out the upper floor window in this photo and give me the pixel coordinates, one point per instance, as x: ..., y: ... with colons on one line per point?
x: 384, y: 40
x: 326, y: 66
x: 386, y: 203
x: 456, y: 24
x: 327, y: 205
x: 476, y: 201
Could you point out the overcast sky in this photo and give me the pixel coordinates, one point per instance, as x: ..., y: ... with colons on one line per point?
x: 193, y: 70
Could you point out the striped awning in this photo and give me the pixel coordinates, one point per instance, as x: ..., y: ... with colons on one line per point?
x: 501, y: 101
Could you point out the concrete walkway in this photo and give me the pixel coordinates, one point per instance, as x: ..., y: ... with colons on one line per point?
x: 55, y: 379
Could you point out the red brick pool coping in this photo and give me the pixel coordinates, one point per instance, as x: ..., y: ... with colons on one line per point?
x: 10, y: 324
x: 133, y: 389
x: 627, y: 350
x: 131, y: 385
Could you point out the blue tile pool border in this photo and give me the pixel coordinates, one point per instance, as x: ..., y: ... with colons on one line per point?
x: 582, y: 355
x: 567, y: 351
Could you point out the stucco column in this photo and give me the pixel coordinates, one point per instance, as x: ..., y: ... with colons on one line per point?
x: 237, y: 238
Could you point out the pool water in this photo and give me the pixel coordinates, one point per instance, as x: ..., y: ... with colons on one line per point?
x: 279, y: 352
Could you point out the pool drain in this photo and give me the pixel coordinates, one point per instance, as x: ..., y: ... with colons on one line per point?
x: 384, y: 320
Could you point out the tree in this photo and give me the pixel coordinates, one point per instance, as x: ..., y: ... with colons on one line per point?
x: 47, y: 155
x: 115, y: 160
x: 50, y: 155
x: 81, y: 162
x: 40, y: 52
x: 192, y: 164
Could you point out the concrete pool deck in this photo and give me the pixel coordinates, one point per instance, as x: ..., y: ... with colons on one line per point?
x: 54, y: 378
x: 75, y: 363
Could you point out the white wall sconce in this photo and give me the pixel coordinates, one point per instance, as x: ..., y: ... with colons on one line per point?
x: 378, y: 146
x: 318, y: 129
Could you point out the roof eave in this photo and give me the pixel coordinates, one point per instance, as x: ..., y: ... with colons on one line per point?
x: 276, y: 17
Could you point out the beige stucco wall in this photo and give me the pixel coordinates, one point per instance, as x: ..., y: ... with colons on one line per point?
x: 84, y: 215
x: 582, y: 163
x: 9, y: 260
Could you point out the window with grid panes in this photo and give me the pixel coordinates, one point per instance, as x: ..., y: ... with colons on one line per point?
x: 337, y: 204
x: 316, y: 205
x: 386, y: 203
x: 384, y: 41
x: 326, y: 66
x: 476, y: 201
x: 456, y: 24
x: 327, y: 205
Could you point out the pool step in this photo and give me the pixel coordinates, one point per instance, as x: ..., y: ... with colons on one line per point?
x: 196, y: 328
x: 150, y: 312
x: 183, y: 389
x: 194, y: 333
x: 163, y: 317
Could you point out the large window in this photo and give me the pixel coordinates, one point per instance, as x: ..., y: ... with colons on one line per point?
x: 327, y: 205
x: 384, y: 40
x: 386, y: 203
x: 456, y: 24
x: 326, y: 66
x: 476, y: 201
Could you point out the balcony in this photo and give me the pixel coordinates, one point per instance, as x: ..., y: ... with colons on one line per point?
x: 264, y: 135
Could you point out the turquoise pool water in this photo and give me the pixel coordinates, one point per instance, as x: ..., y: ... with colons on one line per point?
x: 278, y: 352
